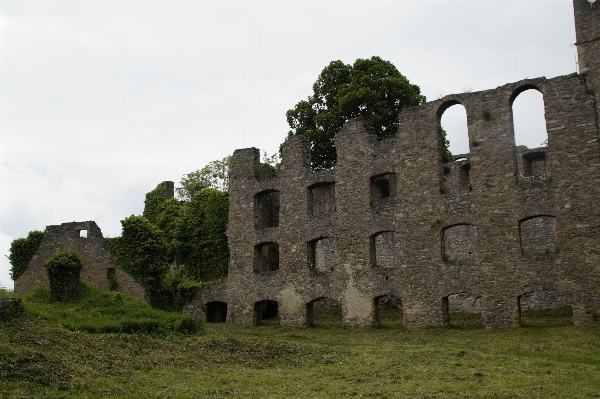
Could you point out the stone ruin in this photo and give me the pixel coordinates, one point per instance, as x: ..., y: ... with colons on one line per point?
x: 502, y: 229
x: 98, y: 271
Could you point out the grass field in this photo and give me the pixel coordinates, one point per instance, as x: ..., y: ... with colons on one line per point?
x: 41, y: 358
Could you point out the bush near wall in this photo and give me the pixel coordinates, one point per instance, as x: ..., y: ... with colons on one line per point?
x: 64, y: 268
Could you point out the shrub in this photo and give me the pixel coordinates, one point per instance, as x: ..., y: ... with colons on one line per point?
x: 63, y: 270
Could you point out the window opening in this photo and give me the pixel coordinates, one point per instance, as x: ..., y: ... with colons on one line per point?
x: 321, y: 199
x: 385, y: 249
x: 323, y: 312
x: 322, y: 255
x: 266, y: 257
x: 387, y: 310
x: 454, y: 122
x: 534, y: 164
x: 459, y: 242
x: 383, y: 188
x: 266, y: 209
x: 83, y: 233
x: 461, y: 311
x: 545, y: 308
x: 266, y: 313
x: 538, y: 236
x: 216, y: 312
x: 529, y: 120
x: 111, y: 276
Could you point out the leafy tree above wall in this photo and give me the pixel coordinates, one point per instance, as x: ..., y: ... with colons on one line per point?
x: 372, y: 88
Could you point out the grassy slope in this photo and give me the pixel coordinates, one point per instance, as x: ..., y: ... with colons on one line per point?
x: 39, y: 358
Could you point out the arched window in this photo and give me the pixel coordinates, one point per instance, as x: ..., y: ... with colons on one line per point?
x: 386, y: 308
x: 454, y: 122
x: 529, y: 120
x: 531, y: 137
x: 545, y: 308
x: 454, y: 138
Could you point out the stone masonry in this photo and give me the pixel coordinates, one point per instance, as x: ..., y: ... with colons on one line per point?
x: 500, y: 224
x: 86, y: 238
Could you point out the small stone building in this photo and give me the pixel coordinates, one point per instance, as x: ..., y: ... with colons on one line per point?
x: 86, y: 238
x: 502, y: 228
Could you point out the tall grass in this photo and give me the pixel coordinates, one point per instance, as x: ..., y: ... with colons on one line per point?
x: 97, y: 311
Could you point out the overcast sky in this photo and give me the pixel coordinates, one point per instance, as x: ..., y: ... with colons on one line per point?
x: 101, y: 101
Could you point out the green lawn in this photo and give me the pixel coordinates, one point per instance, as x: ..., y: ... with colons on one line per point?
x: 41, y: 358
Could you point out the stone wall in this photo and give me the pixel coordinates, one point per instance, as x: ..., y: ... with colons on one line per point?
x: 86, y: 238
x: 493, y: 213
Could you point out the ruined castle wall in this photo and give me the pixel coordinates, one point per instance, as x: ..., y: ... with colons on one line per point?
x: 91, y: 246
x: 494, y: 213
x: 481, y: 228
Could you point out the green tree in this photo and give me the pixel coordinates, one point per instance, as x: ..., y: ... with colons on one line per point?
x: 214, y: 175
x: 269, y: 167
x: 371, y: 88
x: 22, y: 250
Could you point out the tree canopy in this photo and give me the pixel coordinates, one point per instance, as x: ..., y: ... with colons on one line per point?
x: 372, y: 88
x: 213, y: 175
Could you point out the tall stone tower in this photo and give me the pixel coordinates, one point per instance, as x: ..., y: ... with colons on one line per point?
x: 587, y: 30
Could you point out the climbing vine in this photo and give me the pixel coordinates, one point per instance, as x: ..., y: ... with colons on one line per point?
x: 202, y: 244
x: 142, y: 252
x: 446, y: 154
x: 22, y: 250
x: 167, y: 220
x: 154, y: 203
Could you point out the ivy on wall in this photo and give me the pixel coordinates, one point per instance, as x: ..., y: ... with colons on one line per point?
x: 154, y: 203
x: 202, y: 251
x: 22, y: 250
x: 185, y: 245
x: 167, y: 221
x: 142, y: 252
